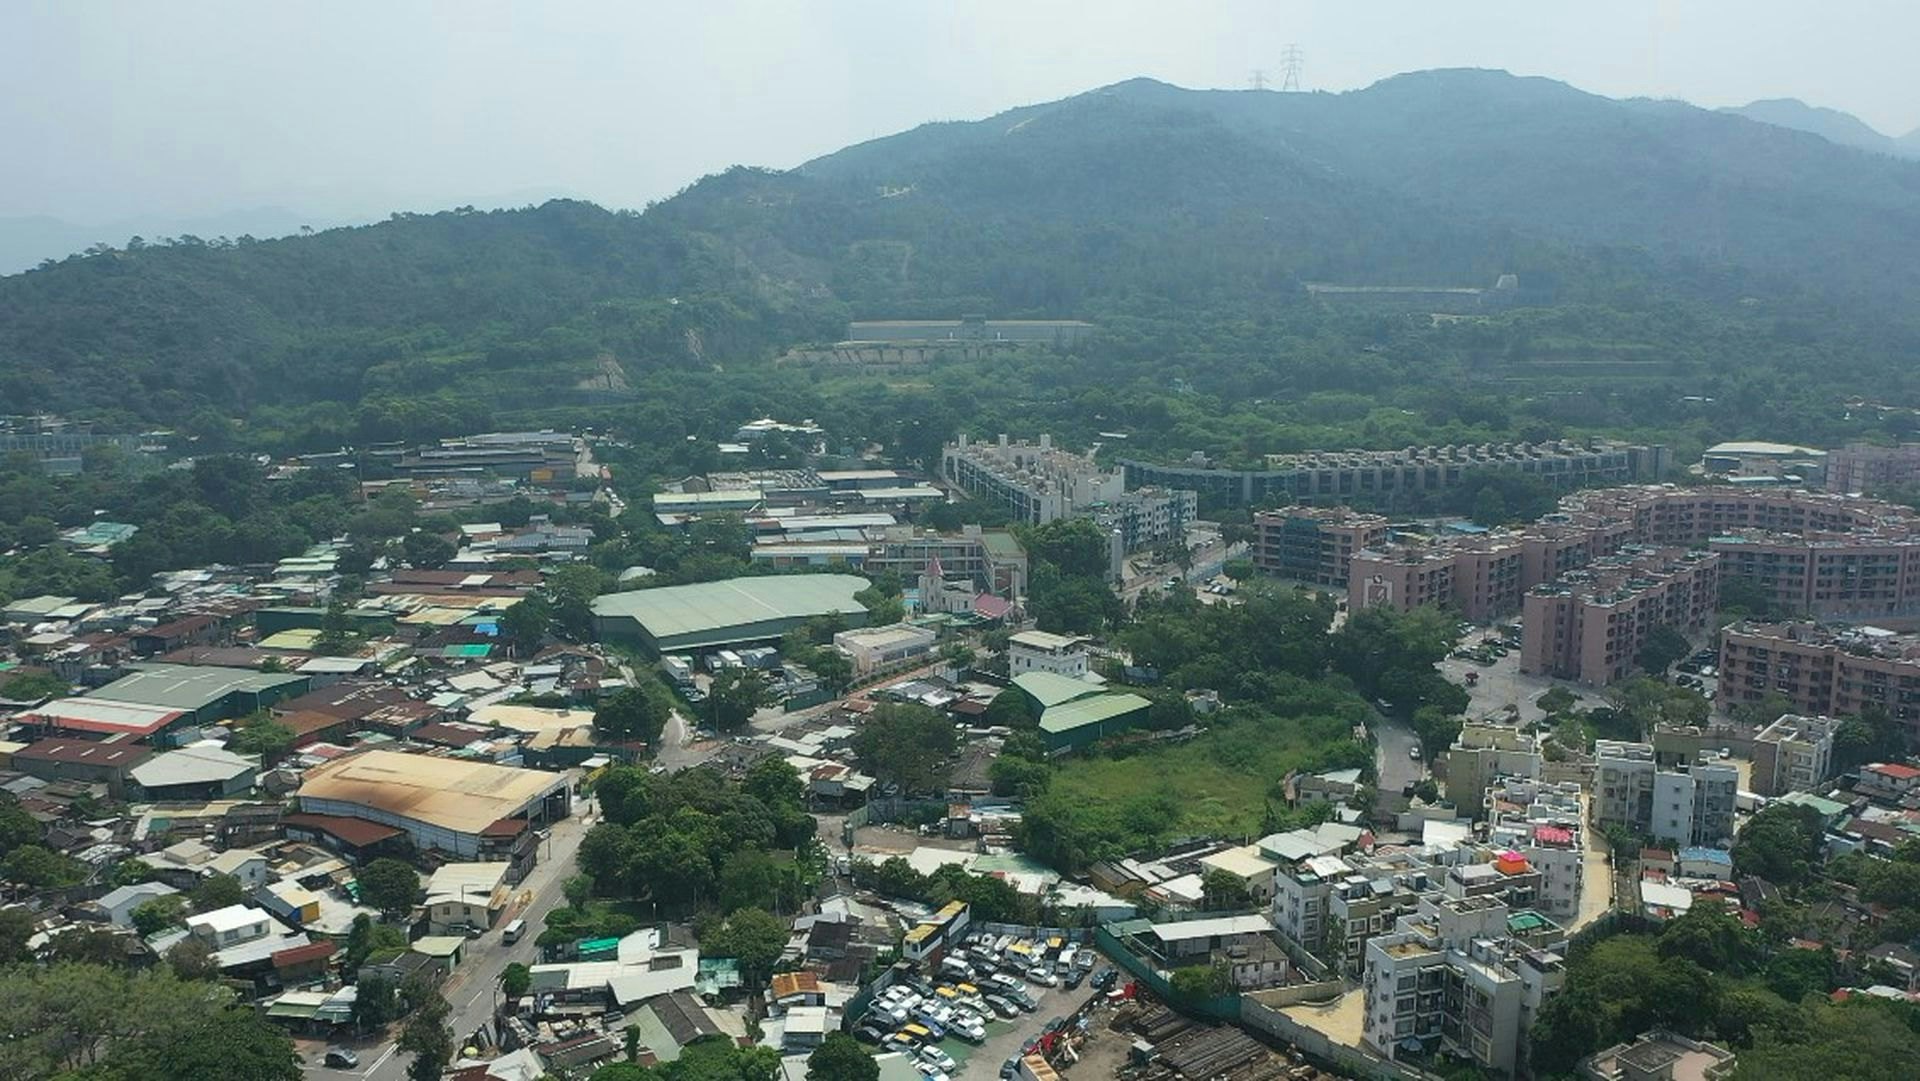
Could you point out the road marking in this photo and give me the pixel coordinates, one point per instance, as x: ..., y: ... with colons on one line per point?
x: 391, y: 1048
x: 474, y: 999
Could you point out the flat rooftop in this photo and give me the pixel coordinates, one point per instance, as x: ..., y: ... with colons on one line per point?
x: 465, y: 797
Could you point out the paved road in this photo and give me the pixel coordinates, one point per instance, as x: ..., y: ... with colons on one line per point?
x: 1395, y: 766
x: 471, y: 988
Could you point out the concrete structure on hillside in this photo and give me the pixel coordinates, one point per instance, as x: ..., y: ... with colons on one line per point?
x: 971, y: 328
x: 1035, y: 482
x: 1314, y: 544
x: 1823, y: 671
x: 1794, y: 754
x: 716, y: 615
x: 1588, y: 625
x: 541, y: 457
x: 1691, y: 804
x: 1377, y: 477
x: 469, y: 809
x: 1040, y: 651
x: 993, y: 559
x: 1809, y: 551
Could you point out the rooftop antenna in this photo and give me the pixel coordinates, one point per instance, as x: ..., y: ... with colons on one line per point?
x: 1257, y: 80
x: 1291, y: 61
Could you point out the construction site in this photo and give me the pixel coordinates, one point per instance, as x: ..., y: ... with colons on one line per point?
x: 1130, y: 1036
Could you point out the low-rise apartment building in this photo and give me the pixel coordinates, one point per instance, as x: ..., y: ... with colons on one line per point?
x: 1314, y: 544
x: 1040, y: 651
x: 1540, y: 821
x: 876, y: 649
x: 1481, y: 576
x: 1385, y: 476
x: 1459, y: 984
x: 1036, y: 482
x: 1483, y: 752
x: 1823, y: 671
x: 1589, y: 624
x: 1793, y: 754
x: 1861, y: 467
x: 1690, y: 804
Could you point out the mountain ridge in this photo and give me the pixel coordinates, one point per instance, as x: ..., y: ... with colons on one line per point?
x: 1138, y: 196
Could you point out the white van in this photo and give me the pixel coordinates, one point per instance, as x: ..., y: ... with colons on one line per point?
x: 513, y: 932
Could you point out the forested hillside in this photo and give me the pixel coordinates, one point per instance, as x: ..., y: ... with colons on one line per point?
x: 1665, y: 254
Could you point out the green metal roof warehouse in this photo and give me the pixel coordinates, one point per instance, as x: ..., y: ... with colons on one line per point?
x: 715, y: 615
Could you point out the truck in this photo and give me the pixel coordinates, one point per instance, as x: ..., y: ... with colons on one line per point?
x: 678, y: 669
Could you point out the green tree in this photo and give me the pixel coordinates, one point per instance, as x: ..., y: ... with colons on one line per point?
x: 376, y: 1002
x: 429, y: 551
x: 337, y: 637
x: 265, y: 737
x: 390, y: 885
x: 525, y: 624
x: 40, y: 868
x: 906, y: 744
x: 1224, y: 891
x: 516, y: 980
x: 1662, y: 646
x: 427, y: 1037
x: 16, y: 927
x: 639, y: 713
x: 1780, y: 844
x: 841, y: 1058
x: 34, y: 686
x: 192, y: 959
x: 1197, y: 982
x: 217, y: 891
x: 752, y: 936
x: 152, y: 917
x: 735, y: 695
x: 573, y: 588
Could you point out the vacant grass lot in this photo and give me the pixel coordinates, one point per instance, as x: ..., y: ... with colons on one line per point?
x: 1220, y: 783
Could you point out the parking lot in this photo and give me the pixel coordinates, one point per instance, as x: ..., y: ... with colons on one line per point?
x: 1001, y: 996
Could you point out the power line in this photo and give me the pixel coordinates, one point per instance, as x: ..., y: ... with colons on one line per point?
x: 1291, y: 61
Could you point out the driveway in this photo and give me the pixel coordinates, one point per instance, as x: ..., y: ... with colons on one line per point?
x: 1393, y: 760
x: 471, y: 990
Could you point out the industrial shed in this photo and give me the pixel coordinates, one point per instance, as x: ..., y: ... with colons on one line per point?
x: 717, y: 615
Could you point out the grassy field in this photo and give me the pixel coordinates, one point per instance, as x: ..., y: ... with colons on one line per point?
x: 1219, y: 783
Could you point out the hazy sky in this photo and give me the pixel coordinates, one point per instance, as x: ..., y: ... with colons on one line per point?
x: 114, y: 111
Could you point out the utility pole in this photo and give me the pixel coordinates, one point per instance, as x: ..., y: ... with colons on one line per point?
x: 1291, y: 61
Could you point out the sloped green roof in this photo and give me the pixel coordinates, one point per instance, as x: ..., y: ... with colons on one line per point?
x: 1051, y: 690
x: 1085, y: 711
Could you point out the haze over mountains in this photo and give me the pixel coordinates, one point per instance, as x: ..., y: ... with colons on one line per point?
x: 1830, y: 124
x: 1127, y: 198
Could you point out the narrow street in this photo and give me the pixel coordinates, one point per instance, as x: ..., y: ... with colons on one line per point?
x: 1393, y: 759
x: 472, y: 989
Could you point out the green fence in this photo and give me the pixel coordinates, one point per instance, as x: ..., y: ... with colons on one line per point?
x: 1222, y: 1008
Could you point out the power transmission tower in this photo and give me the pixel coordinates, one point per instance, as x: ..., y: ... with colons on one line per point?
x: 1291, y: 61
x: 1257, y: 80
